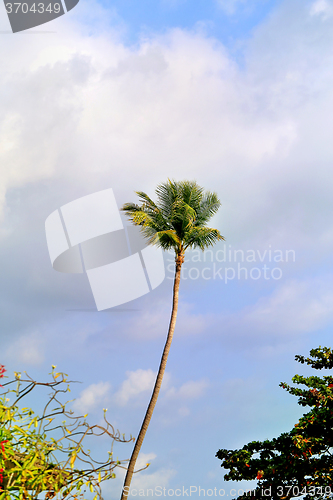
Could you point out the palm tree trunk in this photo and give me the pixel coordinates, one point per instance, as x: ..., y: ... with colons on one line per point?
x: 158, y: 383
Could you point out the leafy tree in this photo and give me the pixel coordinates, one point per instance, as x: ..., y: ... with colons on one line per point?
x: 46, y: 453
x: 177, y: 221
x: 299, y: 462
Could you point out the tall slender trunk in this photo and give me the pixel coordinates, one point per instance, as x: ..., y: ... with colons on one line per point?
x: 158, y: 383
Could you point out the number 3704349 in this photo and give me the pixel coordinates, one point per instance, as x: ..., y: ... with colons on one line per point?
x: 34, y: 8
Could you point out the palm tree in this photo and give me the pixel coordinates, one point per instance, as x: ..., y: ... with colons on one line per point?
x: 177, y: 221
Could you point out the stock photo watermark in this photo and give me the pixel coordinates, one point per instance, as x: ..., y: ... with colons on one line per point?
x: 186, y: 491
x: 228, y: 264
x: 88, y: 236
x: 283, y: 491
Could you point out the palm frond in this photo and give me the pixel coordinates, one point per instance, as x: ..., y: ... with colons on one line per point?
x: 130, y: 207
x: 209, y: 206
x: 192, y: 194
x: 168, y: 240
x: 148, y: 202
x: 136, y: 214
x: 202, y: 237
x: 167, y: 194
x: 165, y: 239
x: 183, y: 214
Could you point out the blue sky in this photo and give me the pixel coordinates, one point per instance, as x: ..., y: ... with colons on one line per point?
x: 234, y: 94
x: 227, y: 21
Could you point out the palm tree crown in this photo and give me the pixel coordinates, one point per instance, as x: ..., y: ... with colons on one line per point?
x: 178, y: 219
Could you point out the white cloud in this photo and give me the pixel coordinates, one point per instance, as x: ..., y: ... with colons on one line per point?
x: 145, y: 480
x: 231, y: 6
x: 154, y: 323
x: 177, y: 99
x: 95, y: 396
x: 189, y: 390
x: 323, y: 8
x: 27, y: 350
x: 295, y: 307
x: 143, y: 459
x: 138, y: 382
x: 98, y: 107
x: 142, y: 381
x: 106, y: 114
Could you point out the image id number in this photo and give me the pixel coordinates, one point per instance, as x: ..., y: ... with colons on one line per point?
x: 40, y: 8
x: 295, y: 491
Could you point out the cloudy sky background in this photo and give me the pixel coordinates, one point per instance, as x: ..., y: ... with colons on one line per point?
x: 234, y: 94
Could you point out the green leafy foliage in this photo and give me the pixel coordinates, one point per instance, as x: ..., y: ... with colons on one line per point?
x: 299, y: 462
x: 45, y: 454
x: 178, y: 219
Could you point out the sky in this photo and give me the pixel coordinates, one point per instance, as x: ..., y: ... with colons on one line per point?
x: 234, y: 94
